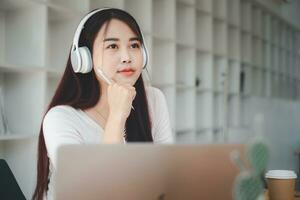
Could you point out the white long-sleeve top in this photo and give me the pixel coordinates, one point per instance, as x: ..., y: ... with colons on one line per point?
x: 66, y: 125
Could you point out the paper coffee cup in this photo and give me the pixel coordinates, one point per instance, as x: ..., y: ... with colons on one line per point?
x: 281, y: 184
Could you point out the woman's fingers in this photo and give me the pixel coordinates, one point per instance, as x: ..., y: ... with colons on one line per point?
x: 120, y: 98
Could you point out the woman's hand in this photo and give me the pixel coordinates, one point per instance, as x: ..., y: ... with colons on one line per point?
x: 120, y: 98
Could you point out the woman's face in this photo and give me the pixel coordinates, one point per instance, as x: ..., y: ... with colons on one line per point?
x: 117, y: 51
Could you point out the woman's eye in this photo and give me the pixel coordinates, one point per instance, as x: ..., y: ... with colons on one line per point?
x: 135, y: 45
x: 112, y: 46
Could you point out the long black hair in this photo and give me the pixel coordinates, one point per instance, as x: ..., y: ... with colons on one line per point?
x: 83, y: 91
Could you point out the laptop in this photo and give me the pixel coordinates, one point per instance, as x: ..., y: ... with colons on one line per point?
x: 146, y: 172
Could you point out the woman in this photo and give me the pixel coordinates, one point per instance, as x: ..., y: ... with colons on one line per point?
x: 101, y: 97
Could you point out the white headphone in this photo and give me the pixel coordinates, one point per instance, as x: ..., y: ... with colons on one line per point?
x: 81, y: 58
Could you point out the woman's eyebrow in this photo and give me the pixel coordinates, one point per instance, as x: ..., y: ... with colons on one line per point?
x: 117, y: 39
x: 110, y: 39
x: 134, y: 39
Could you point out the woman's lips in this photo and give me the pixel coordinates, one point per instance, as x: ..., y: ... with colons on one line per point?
x: 127, y: 72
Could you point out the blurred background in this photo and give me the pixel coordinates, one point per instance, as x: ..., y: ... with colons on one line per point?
x: 230, y: 70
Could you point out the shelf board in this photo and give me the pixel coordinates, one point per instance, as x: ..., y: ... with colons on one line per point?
x: 247, y: 64
x: 164, y: 85
x: 5, y: 67
x: 220, y: 55
x: 245, y: 95
x: 203, y: 130
x: 8, y: 5
x: 204, y: 51
x: 163, y: 38
x: 232, y: 94
x: 258, y: 37
x: 240, y: 128
x: 186, y: 4
x: 203, y: 12
x: 62, y: 8
x: 257, y: 67
x: 54, y: 73
x: 58, y: 12
x: 180, y: 86
x: 233, y: 26
x: 219, y: 19
x: 183, y: 44
x: 184, y: 131
x: 217, y: 92
x: 246, y: 32
x: 12, y: 68
x: 234, y: 60
x: 201, y: 90
x: 10, y: 136
x: 265, y: 69
x: 266, y: 40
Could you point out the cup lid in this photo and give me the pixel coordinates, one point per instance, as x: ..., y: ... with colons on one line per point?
x: 281, y: 174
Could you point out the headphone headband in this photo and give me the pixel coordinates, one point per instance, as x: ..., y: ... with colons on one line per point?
x: 81, y: 26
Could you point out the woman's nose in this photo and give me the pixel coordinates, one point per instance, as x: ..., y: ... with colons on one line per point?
x: 125, y: 57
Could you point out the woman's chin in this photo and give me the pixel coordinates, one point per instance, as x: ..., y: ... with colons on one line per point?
x: 127, y: 82
x: 131, y: 81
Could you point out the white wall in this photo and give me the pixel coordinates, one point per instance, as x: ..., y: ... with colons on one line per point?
x: 289, y: 11
x: 282, y: 117
x: 281, y: 129
x: 292, y: 12
x: 2, y: 33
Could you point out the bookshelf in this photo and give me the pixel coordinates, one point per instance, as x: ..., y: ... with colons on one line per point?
x: 207, y: 56
x: 236, y: 46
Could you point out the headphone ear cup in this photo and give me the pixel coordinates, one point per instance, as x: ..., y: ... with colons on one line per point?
x: 86, y: 60
x: 145, y: 56
x: 75, y: 61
